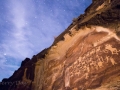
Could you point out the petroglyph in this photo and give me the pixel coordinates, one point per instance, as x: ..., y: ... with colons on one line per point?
x: 92, y: 52
x: 77, y: 73
x: 100, y: 64
x: 107, y: 58
x: 92, y: 60
x: 92, y: 63
x: 112, y: 61
x: 71, y: 74
x: 86, y: 76
x: 76, y: 62
x: 79, y: 59
x: 102, y: 59
x: 98, y: 49
x: 96, y: 67
x: 98, y: 57
x: 110, y: 48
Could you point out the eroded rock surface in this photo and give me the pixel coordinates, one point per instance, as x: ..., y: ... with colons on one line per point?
x: 86, y: 56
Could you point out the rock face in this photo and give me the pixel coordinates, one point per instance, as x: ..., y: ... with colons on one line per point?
x: 86, y: 56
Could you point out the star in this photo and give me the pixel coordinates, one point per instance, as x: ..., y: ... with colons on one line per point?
x: 5, y: 54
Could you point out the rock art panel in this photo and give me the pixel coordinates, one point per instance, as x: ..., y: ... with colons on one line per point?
x: 86, y: 56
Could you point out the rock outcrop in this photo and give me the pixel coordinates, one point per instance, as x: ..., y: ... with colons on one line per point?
x: 86, y: 56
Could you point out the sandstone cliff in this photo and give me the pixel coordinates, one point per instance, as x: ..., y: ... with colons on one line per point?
x: 86, y: 56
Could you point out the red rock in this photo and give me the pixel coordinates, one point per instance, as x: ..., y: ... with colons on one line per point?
x: 86, y: 56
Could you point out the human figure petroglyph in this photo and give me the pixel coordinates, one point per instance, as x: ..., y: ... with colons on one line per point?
x: 107, y: 58
x: 80, y: 59
x: 102, y: 59
x: 112, y: 61
x: 98, y: 57
x: 88, y: 69
x: 113, y: 50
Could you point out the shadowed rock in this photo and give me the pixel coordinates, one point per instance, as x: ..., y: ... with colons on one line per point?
x: 84, y: 57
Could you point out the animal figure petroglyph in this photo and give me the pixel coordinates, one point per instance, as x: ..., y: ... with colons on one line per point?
x: 113, y: 50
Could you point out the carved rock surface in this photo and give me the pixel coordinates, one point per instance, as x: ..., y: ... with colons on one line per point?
x: 86, y: 56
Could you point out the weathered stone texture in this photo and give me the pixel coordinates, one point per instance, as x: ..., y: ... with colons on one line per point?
x: 86, y: 56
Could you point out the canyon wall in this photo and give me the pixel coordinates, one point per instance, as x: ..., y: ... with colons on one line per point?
x: 86, y: 56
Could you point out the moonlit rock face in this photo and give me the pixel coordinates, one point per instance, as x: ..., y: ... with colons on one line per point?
x: 84, y: 57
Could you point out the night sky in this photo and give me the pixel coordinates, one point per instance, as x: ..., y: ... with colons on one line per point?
x: 29, y: 26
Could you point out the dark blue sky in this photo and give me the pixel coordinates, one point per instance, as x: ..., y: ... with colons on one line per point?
x: 29, y: 26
